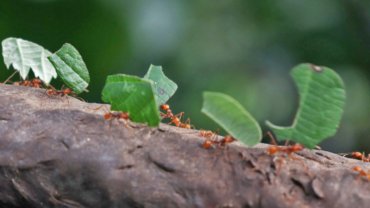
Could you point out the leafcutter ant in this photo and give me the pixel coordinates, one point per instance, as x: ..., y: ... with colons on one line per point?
x: 63, y: 92
x: 360, y: 156
x: 117, y: 115
x: 357, y: 155
x: 36, y: 83
x: 110, y: 115
x: 226, y: 140
x: 167, y: 109
x: 361, y: 172
x: 206, y: 133
x: 288, y: 150
x: 175, y: 119
x: 209, y: 142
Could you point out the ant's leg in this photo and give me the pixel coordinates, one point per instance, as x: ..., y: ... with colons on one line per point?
x: 179, y: 115
x: 98, y: 108
x: 163, y: 115
x: 278, y: 163
x: 78, y: 98
x: 67, y: 100
x: 272, y: 138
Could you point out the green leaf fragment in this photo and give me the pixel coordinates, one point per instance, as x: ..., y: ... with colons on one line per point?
x: 231, y: 116
x: 71, y: 68
x: 322, y: 98
x: 133, y: 95
x: 164, y: 87
x: 25, y: 55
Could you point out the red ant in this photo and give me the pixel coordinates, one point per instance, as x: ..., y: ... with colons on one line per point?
x: 118, y: 115
x: 175, y: 119
x: 168, y: 111
x: 360, y: 156
x: 285, y: 149
x: 361, y: 172
x: 226, y: 140
x: 36, y: 83
x: 109, y: 115
x: 63, y: 92
x: 206, y: 134
x: 209, y: 142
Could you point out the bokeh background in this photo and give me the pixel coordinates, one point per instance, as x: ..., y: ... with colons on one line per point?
x: 244, y: 48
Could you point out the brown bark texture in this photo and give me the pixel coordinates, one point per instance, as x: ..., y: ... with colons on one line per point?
x: 60, y: 152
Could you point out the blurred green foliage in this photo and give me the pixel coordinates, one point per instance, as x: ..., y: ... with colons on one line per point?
x: 244, y: 48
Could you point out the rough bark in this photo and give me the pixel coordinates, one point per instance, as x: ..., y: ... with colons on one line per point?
x: 60, y: 152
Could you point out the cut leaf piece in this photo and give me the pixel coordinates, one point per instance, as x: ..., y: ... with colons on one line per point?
x: 164, y: 87
x: 231, y: 116
x: 133, y: 95
x: 71, y: 68
x: 322, y: 98
x: 25, y: 55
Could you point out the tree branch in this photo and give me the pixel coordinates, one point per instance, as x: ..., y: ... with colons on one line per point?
x: 60, y: 152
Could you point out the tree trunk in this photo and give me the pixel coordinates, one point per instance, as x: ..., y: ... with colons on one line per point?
x: 60, y: 152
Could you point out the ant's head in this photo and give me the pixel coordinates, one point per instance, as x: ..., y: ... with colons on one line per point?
x: 165, y: 107
x: 107, y: 116
x: 272, y: 150
x: 207, y: 144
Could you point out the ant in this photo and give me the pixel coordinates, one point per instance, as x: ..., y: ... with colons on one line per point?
x: 168, y: 111
x: 206, y: 133
x: 118, y: 115
x: 36, y: 83
x: 109, y: 115
x: 63, y: 92
x: 175, y: 119
x: 226, y: 140
x: 285, y: 149
x: 209, y: 142
x: 361, y: 172
x: 360, y: 156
